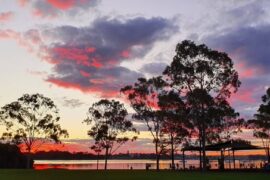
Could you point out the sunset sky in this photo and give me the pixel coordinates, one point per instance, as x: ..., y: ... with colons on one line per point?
x: 79, y: 51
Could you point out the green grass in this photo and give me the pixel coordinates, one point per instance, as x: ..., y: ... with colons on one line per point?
x: 126, y: 175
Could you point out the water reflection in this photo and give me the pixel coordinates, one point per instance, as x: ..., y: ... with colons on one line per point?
x: 138, y: 164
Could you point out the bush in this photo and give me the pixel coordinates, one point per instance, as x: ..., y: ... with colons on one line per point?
x: 11, y: 157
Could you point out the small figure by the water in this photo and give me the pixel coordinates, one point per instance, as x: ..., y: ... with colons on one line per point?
x: 147, y: 166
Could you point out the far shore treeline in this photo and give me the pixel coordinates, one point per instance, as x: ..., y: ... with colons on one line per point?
x: 186, y: 105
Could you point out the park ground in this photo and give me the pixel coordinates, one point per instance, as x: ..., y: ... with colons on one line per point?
x: 127, y: 175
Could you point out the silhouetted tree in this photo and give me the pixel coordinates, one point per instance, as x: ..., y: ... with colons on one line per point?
x: 97, y: 148
x: 206, y: 74
x: 108, y: 126
x: 220, y: 121
x: 261, y: 123
x: 143, y: 97
x: 31, y: 121
x: 176, y: 125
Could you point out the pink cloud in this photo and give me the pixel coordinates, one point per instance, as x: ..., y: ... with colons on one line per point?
x: 37, y: 13
x: 23, y: 2
x: 9, y: 34
x: 97, y: 90
x: 80, y: 56
x: 96, y: 63
x: 244, y: 95
x: 85, y: 74
x: 125, y: 54
x: 81, y: 62
x: 90, y: 49
x: 73, y: 54
x: 62, y: 4
x: 245, y: 71
x: 6, y: 16
x: 54, y: 8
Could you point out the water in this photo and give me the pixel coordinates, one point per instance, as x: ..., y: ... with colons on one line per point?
x: 137, y: 164
x: 92, y: 164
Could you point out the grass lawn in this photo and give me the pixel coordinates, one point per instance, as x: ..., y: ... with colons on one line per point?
x: 126, y: 175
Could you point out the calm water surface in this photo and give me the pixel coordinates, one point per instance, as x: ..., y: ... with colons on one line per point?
x: 135, y: 164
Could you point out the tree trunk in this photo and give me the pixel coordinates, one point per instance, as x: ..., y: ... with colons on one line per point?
x: 233, y: 160
x: 157, y: 156
x: 97, y: 160
x: 172, y: 152
x: 106, y: 157
x: 229, y: 154
x: 200, y: 153
x: 203, y: 149
x: 29, y: 160
x: 268, y: 155
x: 183, y: 158
x: 222, y: 160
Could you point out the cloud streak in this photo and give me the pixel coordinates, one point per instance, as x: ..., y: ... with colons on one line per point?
x: 54, y: 8
x: 71, y: 102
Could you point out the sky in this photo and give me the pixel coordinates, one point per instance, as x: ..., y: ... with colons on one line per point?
x: 79, y: 51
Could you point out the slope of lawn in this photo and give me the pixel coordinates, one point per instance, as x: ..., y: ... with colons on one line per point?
x: 126, y: 175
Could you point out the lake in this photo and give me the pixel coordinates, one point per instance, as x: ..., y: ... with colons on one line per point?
x: 136, y: 164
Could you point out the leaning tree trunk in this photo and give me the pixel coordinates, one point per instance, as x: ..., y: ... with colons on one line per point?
x: 106, y: 157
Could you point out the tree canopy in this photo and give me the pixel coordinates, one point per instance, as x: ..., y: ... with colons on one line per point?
x: 109, y: 125
x: 143, y: 97
x: 206, y: 78
x: 261, y: 123
x: 31, y: 121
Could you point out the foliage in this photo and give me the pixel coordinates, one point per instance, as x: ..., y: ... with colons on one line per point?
x: 261, y: 123
x: 215, y: 116
x: 198, y: 67
x: 108, y: 126
x: 174, y: 113
x: 207, y: 78
x: 176, y: 126
x: 31, y: 121
x: 143, y: 96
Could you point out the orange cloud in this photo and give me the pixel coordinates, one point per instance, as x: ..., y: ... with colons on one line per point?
x: 71, y: 147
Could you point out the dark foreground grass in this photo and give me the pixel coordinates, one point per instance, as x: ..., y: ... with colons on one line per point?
x: 127, y: 175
